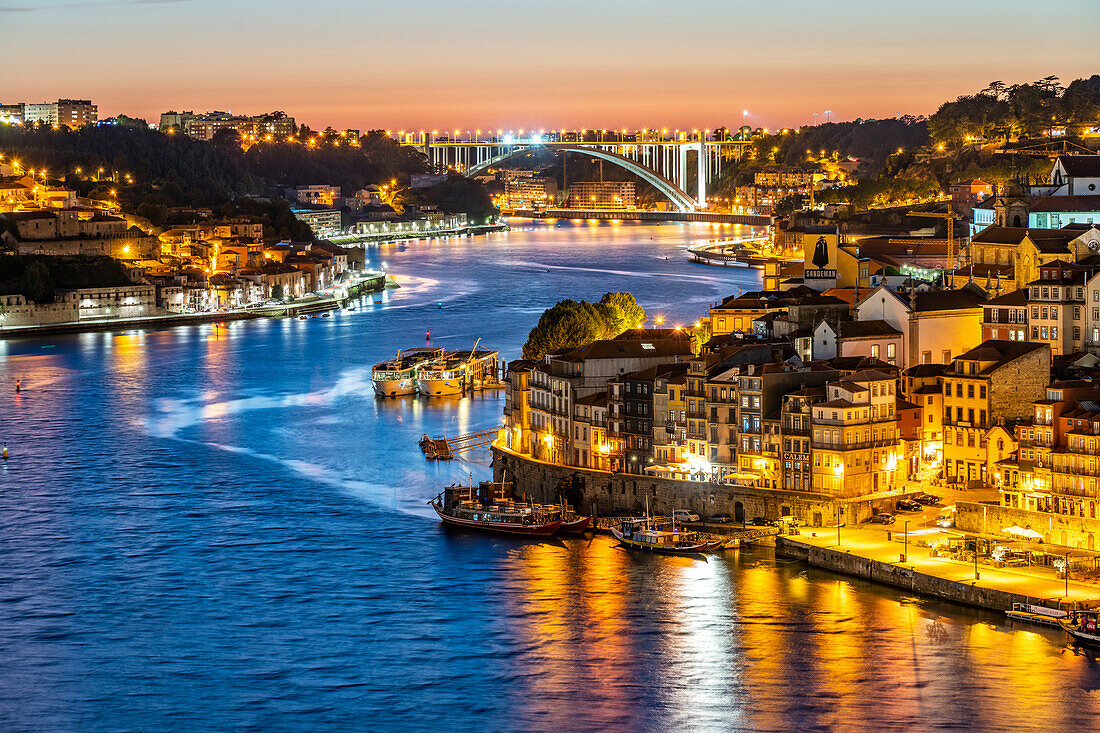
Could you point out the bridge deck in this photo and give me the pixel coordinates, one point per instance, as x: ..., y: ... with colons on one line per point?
x: 757, y: 220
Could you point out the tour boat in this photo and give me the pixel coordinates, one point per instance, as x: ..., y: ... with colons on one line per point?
x: 397, y: 376
x: 457, y: 372
x: 1083, y: 626
x: 647, y: 535
x: 487, y: 507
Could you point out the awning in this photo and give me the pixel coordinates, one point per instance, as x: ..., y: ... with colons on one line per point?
x: 1022, y: 532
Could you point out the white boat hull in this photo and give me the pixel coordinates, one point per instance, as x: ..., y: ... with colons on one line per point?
x: 394, y: 387
x: 439, y: 387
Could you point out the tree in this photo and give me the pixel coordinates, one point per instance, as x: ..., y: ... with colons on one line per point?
x: 620, y: 311
x: 38, y: 283
x: 570, y: 323
x: 277, y: 292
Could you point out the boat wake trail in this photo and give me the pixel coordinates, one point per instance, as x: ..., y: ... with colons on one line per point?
x: 174, y: 416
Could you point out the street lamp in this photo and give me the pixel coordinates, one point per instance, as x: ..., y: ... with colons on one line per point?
x: 905, y: 552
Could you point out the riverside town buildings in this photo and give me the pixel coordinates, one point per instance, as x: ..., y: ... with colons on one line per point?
x: 854, y: 396
x: 207, y: 266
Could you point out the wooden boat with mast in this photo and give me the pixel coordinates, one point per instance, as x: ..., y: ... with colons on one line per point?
x: 489, y: 507
x: 650, y: 535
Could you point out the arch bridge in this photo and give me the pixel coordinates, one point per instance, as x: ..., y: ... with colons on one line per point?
x: 664, y: 164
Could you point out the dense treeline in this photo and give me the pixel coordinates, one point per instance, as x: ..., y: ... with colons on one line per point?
x: 151, y: 172
x: 1007, y: 112
x: 871, y: 142
x: 571, y: 323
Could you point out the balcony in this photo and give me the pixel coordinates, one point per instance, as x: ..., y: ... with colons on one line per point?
x: 870, y: 444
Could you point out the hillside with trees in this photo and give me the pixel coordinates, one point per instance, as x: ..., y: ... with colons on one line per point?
x: 1002, y: 112
x: 151, y: 172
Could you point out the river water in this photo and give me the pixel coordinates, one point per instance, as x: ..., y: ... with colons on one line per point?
x: 221, y: 529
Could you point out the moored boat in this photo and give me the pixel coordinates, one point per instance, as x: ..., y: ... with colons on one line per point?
x: 397, y: 376
x: 1083, y: 627
x: 574, y: 524
x: 651, y: 536
x: 457, y: 372
x: 488, y: 507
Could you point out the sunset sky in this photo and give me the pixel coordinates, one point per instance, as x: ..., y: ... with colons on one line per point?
x: 491, y: 64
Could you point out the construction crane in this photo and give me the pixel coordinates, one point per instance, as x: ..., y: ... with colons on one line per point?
x: 951, y: 218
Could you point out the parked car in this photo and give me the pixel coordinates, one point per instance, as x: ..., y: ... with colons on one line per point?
x: 945, y: 521
x: 719, y: 518
x: 882, y: 518
x: 685, y: 515
x: 792, y: 521
x: 926, y: 499
x: 762, y: 522
x: 908, y: 505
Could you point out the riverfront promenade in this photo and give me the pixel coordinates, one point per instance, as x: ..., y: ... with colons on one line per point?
x: 873, y: 544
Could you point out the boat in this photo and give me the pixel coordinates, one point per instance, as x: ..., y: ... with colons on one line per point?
x: 574, y: 525
x: 651, y: 536
x: 1036, y: 614
x: 1083, y: 626
x: 457, y: 372
x: 571, y: 522
x: 397, y: 376
x: 488, y: 507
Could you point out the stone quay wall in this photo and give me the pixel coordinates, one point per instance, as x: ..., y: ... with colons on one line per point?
x: 897, y: 576
x: 622, y: 493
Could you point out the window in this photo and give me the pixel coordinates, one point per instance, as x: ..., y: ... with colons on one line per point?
x: 1054, y: 312
x: 1054, y: 333
x: 1035, y: 312
x: 1035, y: 333
x: 981, y: 391
x: 970, y: 391
x: 874, y: 351
x: 891, y: 350
x: 1076, y: 312
x: 946, y: 354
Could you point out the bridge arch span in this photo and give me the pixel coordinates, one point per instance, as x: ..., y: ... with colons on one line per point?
x: 679, y: 198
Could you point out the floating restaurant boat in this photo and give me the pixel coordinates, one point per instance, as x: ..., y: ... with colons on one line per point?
x: 1083, y: 626
x: 651, y: 536
x: 488, y: 507
x: 457, y: 372
x: 397, y: 376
